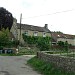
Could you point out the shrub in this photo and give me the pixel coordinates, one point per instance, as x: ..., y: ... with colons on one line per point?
x: 63, y: 45
x: 43, y: 43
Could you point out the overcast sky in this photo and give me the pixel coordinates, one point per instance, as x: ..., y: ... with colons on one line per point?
x: 58, y: 14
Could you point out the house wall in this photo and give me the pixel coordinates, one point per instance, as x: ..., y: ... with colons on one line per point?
x: 70, y: 41
x: 30, y: 33
x: 14, y: 29
x: 74, y: 42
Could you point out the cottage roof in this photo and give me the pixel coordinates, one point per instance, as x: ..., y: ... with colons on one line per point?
x: 62, y: 35
x: 32, y: 28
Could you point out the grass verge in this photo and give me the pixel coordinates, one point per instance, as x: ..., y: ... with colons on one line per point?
x: 26, y: 51
x: 46, y: 68
x: 9, y: 54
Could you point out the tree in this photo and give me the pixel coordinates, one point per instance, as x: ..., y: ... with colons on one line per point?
x: 6, y: 19
x: 4, y: 37
x: 66, y: 46
x: 61, y: 43
x: 43, y: 43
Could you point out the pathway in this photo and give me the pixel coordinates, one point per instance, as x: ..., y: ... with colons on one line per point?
x: 16, y: 65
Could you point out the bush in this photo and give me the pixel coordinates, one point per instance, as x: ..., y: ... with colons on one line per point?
x: 1, y: 47
x: 43, y: 43
x: 63, y: 45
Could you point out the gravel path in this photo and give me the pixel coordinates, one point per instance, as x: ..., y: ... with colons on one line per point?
x: 16, y: 65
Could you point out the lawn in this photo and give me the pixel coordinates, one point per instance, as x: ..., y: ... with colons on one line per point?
x: 10, y: 54
x: 64, y: 53
x: 27, y: 51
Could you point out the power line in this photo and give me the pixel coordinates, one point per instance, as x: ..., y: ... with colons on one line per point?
x: 50, y: 14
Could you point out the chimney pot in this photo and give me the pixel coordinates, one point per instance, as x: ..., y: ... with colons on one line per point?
x: 46, y: 26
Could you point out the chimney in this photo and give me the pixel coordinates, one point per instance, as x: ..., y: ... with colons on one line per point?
x: 46, y: 26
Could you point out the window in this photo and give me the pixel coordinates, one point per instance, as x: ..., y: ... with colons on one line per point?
x: 26, y: 32
x: 35, y: 33
x: 44, y: 34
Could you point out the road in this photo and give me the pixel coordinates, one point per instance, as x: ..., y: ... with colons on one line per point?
x: 16, y: 65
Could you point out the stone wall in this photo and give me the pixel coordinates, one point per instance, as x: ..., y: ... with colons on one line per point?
x: 65, y: 63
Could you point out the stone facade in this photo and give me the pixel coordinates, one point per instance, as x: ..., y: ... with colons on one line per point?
x: 70, y: 41
x: 59, y: 36
x: 14, y: 30
x: 30, y: 30
x: 65, y: 63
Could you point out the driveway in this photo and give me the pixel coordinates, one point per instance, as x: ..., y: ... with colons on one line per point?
x: 16, y: 65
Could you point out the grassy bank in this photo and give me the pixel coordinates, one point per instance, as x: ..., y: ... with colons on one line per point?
x: 27, y: 51
x: 9, y: 54
x: 46, y: 68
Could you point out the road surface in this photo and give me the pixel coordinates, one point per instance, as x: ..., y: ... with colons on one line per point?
x: 16, y: 65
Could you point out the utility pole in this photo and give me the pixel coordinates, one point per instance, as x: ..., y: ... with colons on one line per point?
x: 20, y: 27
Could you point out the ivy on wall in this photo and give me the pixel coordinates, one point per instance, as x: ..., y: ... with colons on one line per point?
x: 43, y: 43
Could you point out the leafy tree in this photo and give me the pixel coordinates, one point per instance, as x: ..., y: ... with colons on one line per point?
x: 6, y: 19
x: 4, y: 38
x: 66, y: 45
x: 43, y: 43
x: 61, y: 43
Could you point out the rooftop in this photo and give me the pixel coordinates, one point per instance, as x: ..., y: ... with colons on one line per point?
x: 32, y: 28
x: 62, y: 35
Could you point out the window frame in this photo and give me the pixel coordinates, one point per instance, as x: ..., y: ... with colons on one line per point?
x: 44, y: 34
x: 35, y: 33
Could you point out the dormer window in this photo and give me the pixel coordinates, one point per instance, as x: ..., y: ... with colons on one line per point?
x: 35, y: 33
x: 44, y: 34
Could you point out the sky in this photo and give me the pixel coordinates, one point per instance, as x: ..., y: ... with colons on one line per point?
x: 58, y: 14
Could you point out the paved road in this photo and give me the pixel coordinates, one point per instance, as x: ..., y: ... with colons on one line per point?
x: 15, y: 65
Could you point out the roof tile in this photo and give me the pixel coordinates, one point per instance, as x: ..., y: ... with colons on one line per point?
x: 32, y: 28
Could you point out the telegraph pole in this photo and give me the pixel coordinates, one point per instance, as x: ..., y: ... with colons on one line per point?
x: 20, y: 27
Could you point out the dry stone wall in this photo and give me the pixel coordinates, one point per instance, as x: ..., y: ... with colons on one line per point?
x: 65, y: 63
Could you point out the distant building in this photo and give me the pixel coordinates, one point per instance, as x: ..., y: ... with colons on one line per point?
x: 59, y: 36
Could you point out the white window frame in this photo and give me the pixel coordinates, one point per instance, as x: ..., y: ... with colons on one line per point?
x: 35, y: 33
x: 44, y: 34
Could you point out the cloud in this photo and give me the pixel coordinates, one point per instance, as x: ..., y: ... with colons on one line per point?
x: 32, y: 8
